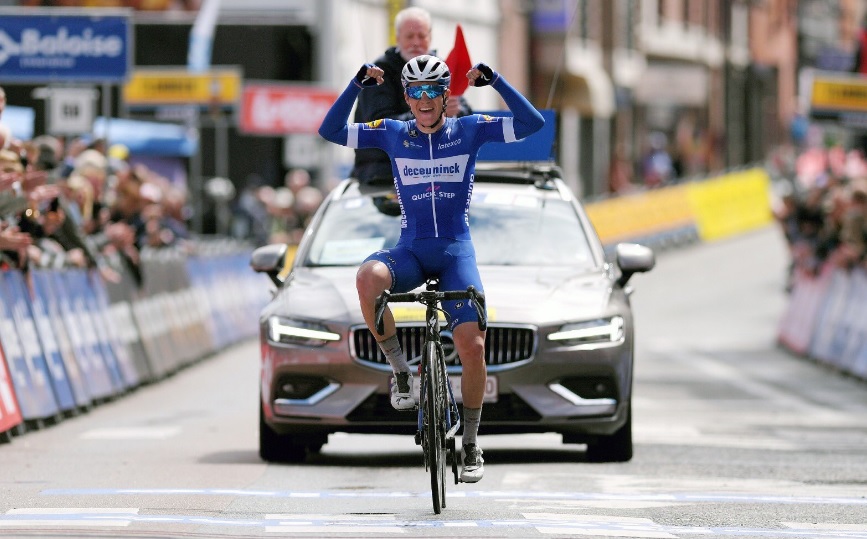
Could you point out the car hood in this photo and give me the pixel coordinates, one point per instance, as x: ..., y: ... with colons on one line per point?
x: 519, y: 294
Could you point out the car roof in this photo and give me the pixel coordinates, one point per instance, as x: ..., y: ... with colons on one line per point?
x: 544, y: 176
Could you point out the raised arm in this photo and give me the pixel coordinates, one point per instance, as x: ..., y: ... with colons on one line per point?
x: 334, y: 126
x: 527, y: 120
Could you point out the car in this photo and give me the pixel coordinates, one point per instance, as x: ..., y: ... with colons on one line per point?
x: 559, y: 347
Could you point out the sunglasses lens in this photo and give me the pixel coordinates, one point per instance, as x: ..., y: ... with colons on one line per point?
x: 431, y: 90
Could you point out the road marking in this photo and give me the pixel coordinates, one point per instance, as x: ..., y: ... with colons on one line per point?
x: 695, y: 497
x: 607, y: 526
x: 561, y: 524
x: 65, y: 516
x: 131, y: 433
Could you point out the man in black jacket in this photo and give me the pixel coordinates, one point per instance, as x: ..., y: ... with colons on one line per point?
x: 412, y: 28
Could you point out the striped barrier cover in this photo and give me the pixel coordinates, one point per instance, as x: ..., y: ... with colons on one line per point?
x: 70, y: 340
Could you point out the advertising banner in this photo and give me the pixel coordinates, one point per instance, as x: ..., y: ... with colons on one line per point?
x: 42, y: 282
x: 80, y: 329
x: 855, y: 322
x: 807, y: 302
x: 64, y: 45
x: 38, y: 339
x: 10, y: 415
x: 274, y: 110
x: 151, y: 87
x: 29, y: 377
x: 112, y: 335
x: 77, y: 280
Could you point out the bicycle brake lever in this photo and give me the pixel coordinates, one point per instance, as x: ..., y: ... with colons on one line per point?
x: 479, y: 303
x: 381, y: 302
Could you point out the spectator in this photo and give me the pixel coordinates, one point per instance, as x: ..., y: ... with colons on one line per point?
x: 860, y: 63
x: 73, y: 206
x: 657, y: 167
x: 412, y: 28
x: 250, y: 219
x: 853, y: 228
x: 619, y: 172
x: 282, y: 216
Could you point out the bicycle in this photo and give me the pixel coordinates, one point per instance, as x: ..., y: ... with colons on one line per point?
x: 438, y: 416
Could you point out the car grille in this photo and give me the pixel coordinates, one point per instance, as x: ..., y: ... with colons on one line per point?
x: 503, y: 345
x: 508, y: 410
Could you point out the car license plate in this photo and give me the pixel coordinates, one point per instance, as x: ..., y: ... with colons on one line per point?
x: 491, y: 387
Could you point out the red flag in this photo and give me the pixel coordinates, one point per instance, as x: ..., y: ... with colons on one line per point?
x: 459, y: 63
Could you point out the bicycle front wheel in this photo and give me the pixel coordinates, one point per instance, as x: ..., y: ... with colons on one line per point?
x: 433, y: 427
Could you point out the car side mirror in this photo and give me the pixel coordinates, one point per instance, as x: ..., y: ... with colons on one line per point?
x: 270, y: 260
x: 633, y: 258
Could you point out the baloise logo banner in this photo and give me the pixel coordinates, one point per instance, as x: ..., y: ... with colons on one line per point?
x: 43, y: 48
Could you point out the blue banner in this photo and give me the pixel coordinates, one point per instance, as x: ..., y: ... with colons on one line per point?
x: 43, y: 289
x: 77, y: 279
x: 83, y: 336
x: 37, y: 334
x: 62, y: 45
x: 112, y: 335
x: 29, y: 375
x: 537, y: 147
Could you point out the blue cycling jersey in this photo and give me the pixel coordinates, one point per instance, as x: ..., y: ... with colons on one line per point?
x: 433, y: 173
x: 433, y: 178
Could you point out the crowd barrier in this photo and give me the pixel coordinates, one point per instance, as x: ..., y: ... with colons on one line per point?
x: 826, y: 319
x: 70, y: 340
x: 710, y: 209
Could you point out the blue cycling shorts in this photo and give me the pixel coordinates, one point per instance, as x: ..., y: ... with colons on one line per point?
x: 412, y: 262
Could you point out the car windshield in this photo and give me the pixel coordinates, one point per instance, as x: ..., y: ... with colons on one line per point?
x: 508, y: 229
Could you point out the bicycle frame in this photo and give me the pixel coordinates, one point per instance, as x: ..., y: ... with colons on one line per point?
x: 438, y: 415
x: 432, y: 335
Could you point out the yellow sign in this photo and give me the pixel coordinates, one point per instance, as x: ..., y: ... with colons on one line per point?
x: 181, y: 87
x: 849, y: 93
x: 732, y: 204
x: 720, y: 207
x: 630, y: 216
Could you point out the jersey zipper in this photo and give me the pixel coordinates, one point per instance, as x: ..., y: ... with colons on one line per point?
x: 433, y: 192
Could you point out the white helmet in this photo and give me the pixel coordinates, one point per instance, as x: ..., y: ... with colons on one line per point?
x: 426, y: 68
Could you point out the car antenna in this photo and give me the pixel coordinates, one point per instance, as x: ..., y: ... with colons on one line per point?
x: 562, y: 56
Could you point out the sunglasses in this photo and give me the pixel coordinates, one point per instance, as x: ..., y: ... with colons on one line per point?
x: 432, y: 91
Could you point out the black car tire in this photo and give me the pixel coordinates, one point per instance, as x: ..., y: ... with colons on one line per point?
x: 274, y: 447
x: 614, y: 448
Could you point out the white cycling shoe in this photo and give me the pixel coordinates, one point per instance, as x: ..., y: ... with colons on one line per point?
x: 401, y: 392
x: 474, y: 465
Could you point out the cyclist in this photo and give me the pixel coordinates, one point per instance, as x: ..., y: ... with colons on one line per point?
x: 433, y: 163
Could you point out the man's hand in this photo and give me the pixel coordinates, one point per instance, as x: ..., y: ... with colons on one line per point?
x: 43, y: 193
x: 482, y: 75
x: 33, y: 179
x: 453, y: 106
x: 369, y: 75
x: 8, y: 179
x: 12, y: 239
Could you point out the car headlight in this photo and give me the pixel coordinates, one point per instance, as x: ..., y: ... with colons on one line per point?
x: 288, y: 331
x: 606, y: 330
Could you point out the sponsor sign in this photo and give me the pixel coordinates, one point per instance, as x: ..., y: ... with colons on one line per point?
x: 10, y: 415
x: 23, y: 358
x: 38, y: 339
x: 42, y: 282
x: 839, y: 93
x: 271, y: 109
x: 166, y: 86
x: 64, y: 45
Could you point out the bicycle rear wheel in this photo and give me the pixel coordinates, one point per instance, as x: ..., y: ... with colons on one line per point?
x: 433, y: 433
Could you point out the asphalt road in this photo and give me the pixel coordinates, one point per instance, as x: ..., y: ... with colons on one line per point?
x: 734, y: 438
